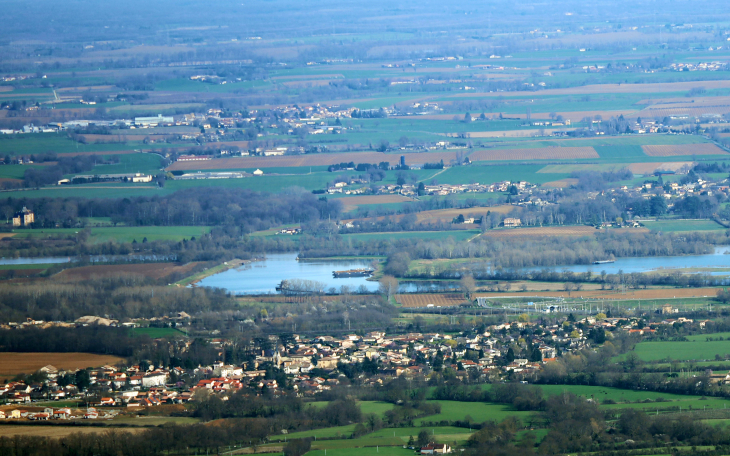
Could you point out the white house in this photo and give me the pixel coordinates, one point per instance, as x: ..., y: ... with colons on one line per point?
x: 156, y: 378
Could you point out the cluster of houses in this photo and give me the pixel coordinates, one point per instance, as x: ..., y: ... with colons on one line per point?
x: 411, y: 190
x: 49, y: 413
x: 700, y: 66
x: 317, y: 364
x: 675, y: 190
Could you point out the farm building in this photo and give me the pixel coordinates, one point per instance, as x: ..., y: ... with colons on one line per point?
x: 187, y: 158
x: 142, y: 178
x: 153, y: 121
x: 274, y: 152
x: 512, y: 222
x: 436, y: 448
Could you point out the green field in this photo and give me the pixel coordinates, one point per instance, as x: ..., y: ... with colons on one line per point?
x: 121, y: 233
x: 367, y: 451
x: 621, y: 152
x: 675, y: 406
x: 14, y: 171
x: 25, y: 266
x: 479, y: 412
x: 157, y: 333
x: 487, y: 174
x: 684, y: 225
x: 376, y: 407
x: 129, y: 163
x: 601, y: 393
x: 458, y: 235
x: 406, y: 432
x: 60, y: 143
x: 681, y: 351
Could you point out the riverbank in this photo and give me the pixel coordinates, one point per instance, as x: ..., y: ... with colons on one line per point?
x: 198, y: 276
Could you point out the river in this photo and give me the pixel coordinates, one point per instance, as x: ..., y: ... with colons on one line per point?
x: 261, y: 277
x: 719, y: 259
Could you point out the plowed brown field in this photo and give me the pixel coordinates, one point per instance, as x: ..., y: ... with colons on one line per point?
x: 548, y: 231
x: 152, y: 270
x: 608, y: 88
x: 648, y: 168
x: 562, y: 183
x: 657, y: 293
x: 423, y: 300
x: 288, y: 161
x: 447, y: 215
x: 57, y: 432
x: 538, y: 153
x: 373, y: 199
x: 12, y: 363
x: 683, y: 149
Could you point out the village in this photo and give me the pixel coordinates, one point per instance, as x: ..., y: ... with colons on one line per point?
x: 306, y: 367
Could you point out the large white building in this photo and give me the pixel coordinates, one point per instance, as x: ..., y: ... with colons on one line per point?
x: 153, y: 121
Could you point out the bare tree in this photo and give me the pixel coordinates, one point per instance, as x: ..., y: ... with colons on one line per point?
x: 388, y: 286
x: 468, y: 286
x: 569, y: 287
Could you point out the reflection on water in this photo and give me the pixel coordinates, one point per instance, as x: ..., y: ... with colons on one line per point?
x: 717, y: 259
x: 262, y: 277
x: 50, y: 260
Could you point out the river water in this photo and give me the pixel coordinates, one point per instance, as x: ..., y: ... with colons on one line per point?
x: 718, y: 259
x: 261, y: 277
x: 90, y: 259
x: 49, y: 260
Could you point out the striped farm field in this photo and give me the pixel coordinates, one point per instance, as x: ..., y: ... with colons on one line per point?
x: 693, y: 111
x: 516, y: 133
x: 373, y: 199
x: 538, y: 153
x: 682, y: 149
x: 152, y: 270
x: 636, y: 168
x: 545, y: 231
x: 650, y: 293
x: 447, y: 215
x: 442, y: 215
x: 424, y: 300
x: 291, y: 161
x: 648, y: 168
x: 562, y: 183
x: 56, y: 432
x: 13, y: 363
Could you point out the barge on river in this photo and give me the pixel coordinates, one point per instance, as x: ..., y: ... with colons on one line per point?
x: 353, y: 273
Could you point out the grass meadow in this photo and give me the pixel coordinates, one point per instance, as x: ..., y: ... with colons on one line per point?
x: 157, y: 333
x: 122, y: 233
x: 425, y: 235
x: 699, y: 350
x: 684, y: 225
